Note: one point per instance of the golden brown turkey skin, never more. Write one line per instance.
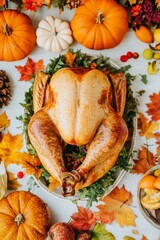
(78, 111)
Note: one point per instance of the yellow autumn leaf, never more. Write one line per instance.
(116, 207)
(10, 144)
(4, 121)
(131, 2)
(158, 3)
(147, 128)
(53, 183)
(28, 162)
(13, 184)
(49, 3)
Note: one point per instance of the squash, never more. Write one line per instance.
(99, 24)
(23, 215)
(53, 34)
(17, 35)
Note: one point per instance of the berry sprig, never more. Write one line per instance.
(128, 55)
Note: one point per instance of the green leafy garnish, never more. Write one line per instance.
(96, 190)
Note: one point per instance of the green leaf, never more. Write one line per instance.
(128, 238)
(144, 78)
(100, 233)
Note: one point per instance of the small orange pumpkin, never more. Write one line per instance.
(17, 35)
(99, 24)
(23, 216)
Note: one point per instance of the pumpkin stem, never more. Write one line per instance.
(19, 219)
(6, 29)
(100, 17)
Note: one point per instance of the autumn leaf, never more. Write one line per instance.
(131, 2)
(2, 3)
(158, 3)
(53, 183)
(83, 219)
(157, 137)
(69, 58)
(147, 128)
(4, 121)
(100, 233)
(145, 161)
(154, 107)
(13, 184)
(116, 208)
(29, 70)
(49, 3)
(10, 144)
(144, 238)
(29, 162)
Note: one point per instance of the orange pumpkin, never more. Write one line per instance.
(23, 216)
(99, 24)
(17, 35)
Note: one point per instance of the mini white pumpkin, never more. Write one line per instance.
(53, 34)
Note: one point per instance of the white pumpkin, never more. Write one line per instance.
(53, 34)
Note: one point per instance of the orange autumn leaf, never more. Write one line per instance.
(93, 65)
(53, 183)
(10, 144)
(144, 238)
(145, 161)
(83, 219)
(146, 128)
(29, 162)
(69, 58)
(29, 70)
(4, 121)
(154, 107)
(158, 3)
(157, 136)
(116, 208)
(13, 184)
(2, 3)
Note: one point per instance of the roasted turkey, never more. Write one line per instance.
(75, 107)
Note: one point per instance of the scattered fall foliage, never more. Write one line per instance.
(154, 107)
(13, 184)
(116, 208)
(4, 121)
(83, 219)
(146, 160)
(147, 128)
(29, 70)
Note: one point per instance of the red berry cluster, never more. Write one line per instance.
(134, 55)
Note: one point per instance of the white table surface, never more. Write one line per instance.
(62, 209)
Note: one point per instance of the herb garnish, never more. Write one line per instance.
(99, 188)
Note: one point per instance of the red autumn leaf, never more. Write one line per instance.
(30, 69)
(145, 161)
(154, 107)
(83, 219)
(116, 208)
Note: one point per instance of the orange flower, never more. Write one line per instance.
(2, 3)
(135, 10)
